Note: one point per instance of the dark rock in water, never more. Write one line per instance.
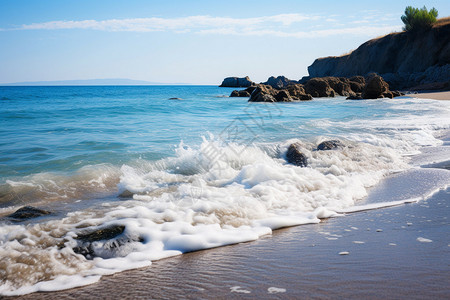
(319, 87)
(297, 92)
(126, 194)
(397, 93)
(106, 233)
(113, 236)
(375, 87)
(237, 82)
(243, 93)
(28, 212)
(330, 145)
(358, 79)
(175, 98)
(388, 94)
(279, 82)
(295, 156)
(357, 96)
(263, 93)
(283, 96)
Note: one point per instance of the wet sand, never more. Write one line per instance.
(434, 95)
(393, 253)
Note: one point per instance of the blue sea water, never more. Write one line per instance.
(195, 172)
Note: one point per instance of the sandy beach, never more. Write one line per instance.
(435, 95)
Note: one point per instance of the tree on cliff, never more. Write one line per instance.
(417, 19)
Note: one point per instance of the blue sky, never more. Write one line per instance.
(198, 42)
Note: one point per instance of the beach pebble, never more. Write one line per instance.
(423, 240)
(344, 253)
(275, 290)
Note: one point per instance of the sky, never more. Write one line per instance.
(193, 42)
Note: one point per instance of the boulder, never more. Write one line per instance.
(356, 87)
(105, 233)
(375, 87)
(282, 96)
(279, 82)
(319, 87)
(237, 82)
(242, 93)
(297, 92)
(330, 145)
(28, 212)
(295, 156)
(358, 79)
(263, 93)
(357, 96)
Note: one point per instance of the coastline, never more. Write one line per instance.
(432, 95)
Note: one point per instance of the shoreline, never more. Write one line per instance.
(394, 252)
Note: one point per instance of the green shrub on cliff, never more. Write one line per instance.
(416, 19)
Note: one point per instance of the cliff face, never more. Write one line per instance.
(399, 53)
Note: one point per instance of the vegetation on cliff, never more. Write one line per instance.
(418, 19)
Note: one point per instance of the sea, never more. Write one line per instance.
(175, 169)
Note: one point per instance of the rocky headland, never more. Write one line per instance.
(406, 61)
(409, 60)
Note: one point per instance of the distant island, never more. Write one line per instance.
(107, 81)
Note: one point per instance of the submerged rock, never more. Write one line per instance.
(28, 212)
(295, 156)
(113, 237)
(106, 233)
(330, 145)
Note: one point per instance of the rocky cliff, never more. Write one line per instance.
(403, 59)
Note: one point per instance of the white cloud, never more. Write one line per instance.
(282, 25)
(171, 24)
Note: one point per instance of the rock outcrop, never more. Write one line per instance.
(356, 87)
(237, 82)
(266, 93)
(330, 145)
(375, 88)
(403, 59)
(279, 82)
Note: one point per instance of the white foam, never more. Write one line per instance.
(424, 240)
(275, 290)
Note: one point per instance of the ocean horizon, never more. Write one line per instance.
(170, 169)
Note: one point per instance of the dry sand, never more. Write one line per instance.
(434, 95)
